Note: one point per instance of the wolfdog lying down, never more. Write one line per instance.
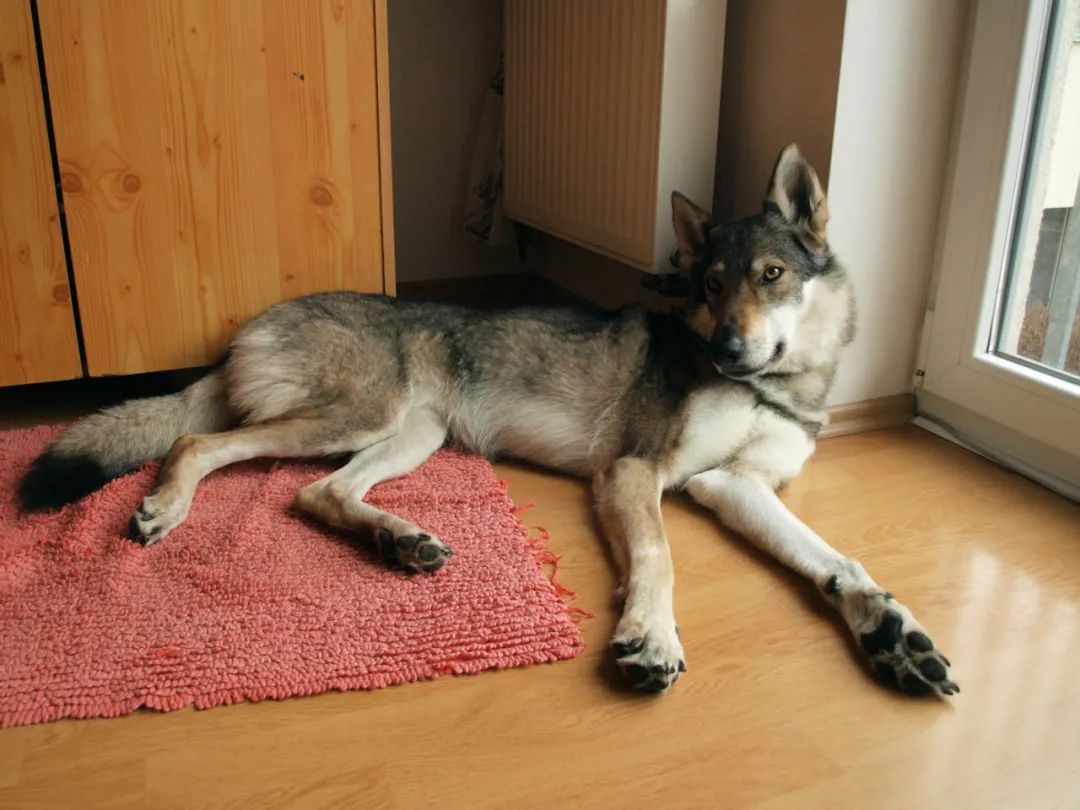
(723, 399)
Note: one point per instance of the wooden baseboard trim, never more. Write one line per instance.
(870, 414)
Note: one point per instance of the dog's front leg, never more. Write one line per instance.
(898, 647)
(646, 639)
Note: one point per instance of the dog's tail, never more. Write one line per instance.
(107, 444)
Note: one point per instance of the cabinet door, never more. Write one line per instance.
(37, 325)
(216, 157)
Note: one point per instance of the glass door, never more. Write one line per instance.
(1000, 360)
(1038, 323)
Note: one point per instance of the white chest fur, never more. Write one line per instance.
(718, 423)
(725, 429)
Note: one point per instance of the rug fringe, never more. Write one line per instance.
(538, 547)
(523, 508)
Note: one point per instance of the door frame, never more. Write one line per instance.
(1011, 410)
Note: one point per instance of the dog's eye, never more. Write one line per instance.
(771, 274)
(713, 284)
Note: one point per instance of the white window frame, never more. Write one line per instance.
(1017, 414)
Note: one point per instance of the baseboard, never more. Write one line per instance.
(870, 414)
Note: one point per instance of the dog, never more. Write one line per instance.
(722, 398)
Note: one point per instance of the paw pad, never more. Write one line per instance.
(651, 663)
(904, 658)
(416, 552)
(629, 647)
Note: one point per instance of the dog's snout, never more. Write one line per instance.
(728, 346)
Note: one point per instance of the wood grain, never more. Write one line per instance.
(215, 159)
(37, 325)
(870, 414)
(776, 710)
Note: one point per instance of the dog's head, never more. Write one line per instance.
(754, 279)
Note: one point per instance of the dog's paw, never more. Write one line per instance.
(418, 552)
(900, 651)
(650, 655)
(159, 513)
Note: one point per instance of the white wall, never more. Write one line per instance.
(766, 104)
(442, 54)
(898, 80)
(692, 74)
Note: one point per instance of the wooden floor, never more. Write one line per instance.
(776, 710)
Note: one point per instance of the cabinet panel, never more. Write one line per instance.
(37, 325)
(216, 157)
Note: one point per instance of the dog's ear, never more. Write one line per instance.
(691, 230)
(796, 194)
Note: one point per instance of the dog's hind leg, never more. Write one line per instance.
(897, 645)
(646, 640)
(194, 456)
(338, 498)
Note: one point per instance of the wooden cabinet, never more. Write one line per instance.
(215, 158)
(37, 324)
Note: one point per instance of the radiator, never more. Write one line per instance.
(610, 106)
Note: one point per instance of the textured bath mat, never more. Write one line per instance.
(248, 601)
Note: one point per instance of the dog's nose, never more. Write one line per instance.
(727, 346)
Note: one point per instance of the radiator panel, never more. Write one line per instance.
(582, 103)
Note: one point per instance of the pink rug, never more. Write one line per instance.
(248, 601)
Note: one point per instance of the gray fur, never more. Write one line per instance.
(600, 385)
(123, 437)
(723, 398)
(571, 389)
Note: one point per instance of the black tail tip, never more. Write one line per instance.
(54, 480)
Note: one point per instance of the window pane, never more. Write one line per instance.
(1039, 321)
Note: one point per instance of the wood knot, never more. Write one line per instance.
(132, 182)
(320, 195)
(61, 294)
(70, 182)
